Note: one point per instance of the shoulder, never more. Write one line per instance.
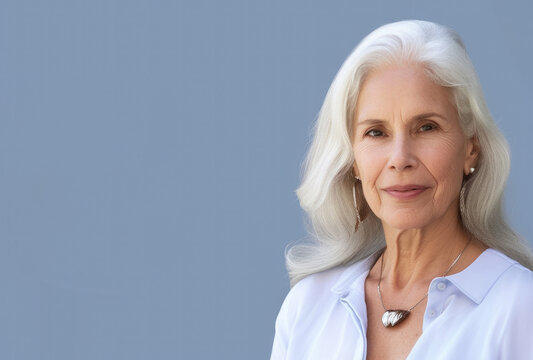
(334, 281)
(307, 297)
(510, 300)
(323, 289)
(321, 280)
(515, 276)
(314, 288)
(513, 288)
(516, 283)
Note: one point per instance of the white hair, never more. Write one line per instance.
(325, 191)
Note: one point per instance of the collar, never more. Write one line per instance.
(347, 279)
(478, 278)
(475, 281)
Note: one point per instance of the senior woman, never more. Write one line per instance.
(411, 256)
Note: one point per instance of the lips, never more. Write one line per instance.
(404, 192)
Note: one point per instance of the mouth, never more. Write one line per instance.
(405, 192)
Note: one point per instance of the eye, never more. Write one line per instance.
(427, 127)
(374, 133)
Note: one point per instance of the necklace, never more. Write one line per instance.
(391, 318)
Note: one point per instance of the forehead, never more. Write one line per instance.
(401, 90)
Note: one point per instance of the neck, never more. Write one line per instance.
(419, 255)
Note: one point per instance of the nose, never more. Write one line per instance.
(402, 155)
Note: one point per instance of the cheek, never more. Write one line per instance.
(369, 160)
(445, 163)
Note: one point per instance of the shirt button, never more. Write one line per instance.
(431, 313)
(441, 286)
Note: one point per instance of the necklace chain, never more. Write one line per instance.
(427, 293)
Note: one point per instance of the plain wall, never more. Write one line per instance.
(149, 153)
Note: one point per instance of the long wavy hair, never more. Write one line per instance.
(325, 192)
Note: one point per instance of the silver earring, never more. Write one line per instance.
(462, 206)
(358, 217)
(472, 170)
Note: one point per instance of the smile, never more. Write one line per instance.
(405, 192)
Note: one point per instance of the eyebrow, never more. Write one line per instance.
(414, 118)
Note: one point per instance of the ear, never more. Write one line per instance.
(472, 154)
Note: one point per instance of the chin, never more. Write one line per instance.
(408, 220)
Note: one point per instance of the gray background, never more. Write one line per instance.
(150, 151)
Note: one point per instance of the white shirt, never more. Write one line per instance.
(482, 312)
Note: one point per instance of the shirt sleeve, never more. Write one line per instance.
(282, 330)
(517, 341)
(287, 318)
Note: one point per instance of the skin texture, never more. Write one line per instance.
(411, 155)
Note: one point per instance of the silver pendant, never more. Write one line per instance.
(393, 317)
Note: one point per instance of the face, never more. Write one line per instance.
(410, 151)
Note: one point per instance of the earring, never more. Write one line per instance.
(355, 176)
(357, 216)
(462, 205)
(472, 170)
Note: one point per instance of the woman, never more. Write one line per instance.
(411, 256)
